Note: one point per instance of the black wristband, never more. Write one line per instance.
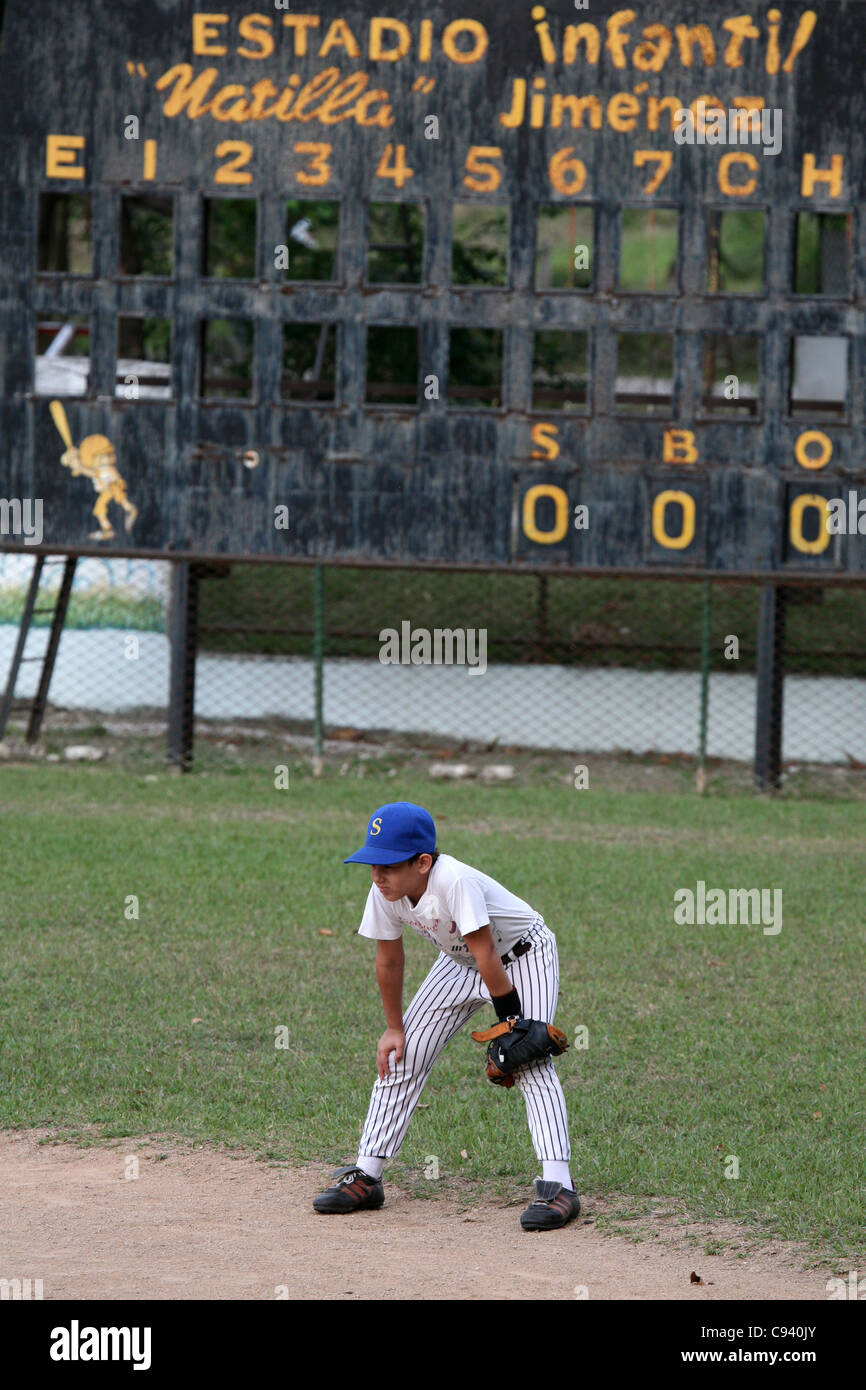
(507, 1005)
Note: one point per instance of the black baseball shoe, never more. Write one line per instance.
(554, 1206)
(351, 1190)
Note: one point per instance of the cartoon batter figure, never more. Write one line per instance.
(96, 459)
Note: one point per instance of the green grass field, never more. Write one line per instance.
(90, 610)
(704, 1041)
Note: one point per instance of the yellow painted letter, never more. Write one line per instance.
(60, 156)
(679, 447)
(544, 436)
(204, 28)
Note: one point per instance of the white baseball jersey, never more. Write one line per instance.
(459, 900)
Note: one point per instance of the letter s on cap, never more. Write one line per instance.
(376, 825)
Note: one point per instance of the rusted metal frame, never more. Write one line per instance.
(40, 700)
(182, 634)
(18, 654)
(689, 576)
(770, 688)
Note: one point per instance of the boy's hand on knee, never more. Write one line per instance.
(392, 1040)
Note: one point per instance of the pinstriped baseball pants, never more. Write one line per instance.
(447, 999)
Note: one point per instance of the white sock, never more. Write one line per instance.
(371, 1165)
(553, 1171)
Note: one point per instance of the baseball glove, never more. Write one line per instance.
(516, 1043)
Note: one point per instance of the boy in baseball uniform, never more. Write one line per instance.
(492, 948)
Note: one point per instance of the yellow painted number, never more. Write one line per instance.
(567, 174)
(319, 170)
(481, 175)
(660, 533)
(398, 170)
(664, 159)
(150, 148)
(560, 525)
(798, 540)
(236, 153)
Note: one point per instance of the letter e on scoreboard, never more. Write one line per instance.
(62, 157)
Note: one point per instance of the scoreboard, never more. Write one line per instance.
(566, 286)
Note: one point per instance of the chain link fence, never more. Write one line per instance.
(449, 663)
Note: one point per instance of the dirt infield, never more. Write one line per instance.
(206, 1224)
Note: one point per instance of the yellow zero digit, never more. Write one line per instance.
(560, 525)
(481, 175)
(567, 174)
(798, 540)
(660, 533)
(319, 170)
(236, 153)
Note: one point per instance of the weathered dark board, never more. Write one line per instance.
(433, 483)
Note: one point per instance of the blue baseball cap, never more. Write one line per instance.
(396, 831)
